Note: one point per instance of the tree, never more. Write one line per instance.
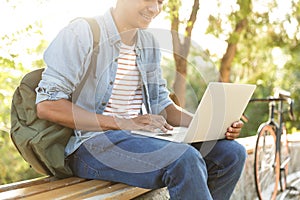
(12, 68)
(181, 47)
(238, 21)
(267, 48)
(262, 42)
(241, 23)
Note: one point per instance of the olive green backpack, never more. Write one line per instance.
(42, 143)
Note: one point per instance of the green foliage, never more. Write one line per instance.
(215, 26)
(12, 166)
(290, 81)
(172, 8)
(245, 8)
(12, 68)
(234, 38)
(255, 61)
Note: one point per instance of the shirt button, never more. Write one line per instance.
(111, 82)
(116, 59)
(103, 103)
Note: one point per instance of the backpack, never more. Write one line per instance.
(42, 143)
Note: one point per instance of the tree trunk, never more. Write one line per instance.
(181, 49)
(225, 69)
(179, 84)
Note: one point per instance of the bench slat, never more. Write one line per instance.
(71, 191)
(118, 191)
(26, 183)
(39, 188)
(128, 193)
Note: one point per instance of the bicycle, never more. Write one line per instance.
(272, 153)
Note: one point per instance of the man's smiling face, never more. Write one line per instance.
(140, 13)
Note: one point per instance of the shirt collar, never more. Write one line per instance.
(112, 31)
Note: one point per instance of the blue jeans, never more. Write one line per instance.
(208, 170)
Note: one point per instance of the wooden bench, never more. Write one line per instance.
(69, 188)
(78, 188)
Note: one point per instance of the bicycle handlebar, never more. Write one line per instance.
(269, 99)
(282, 97)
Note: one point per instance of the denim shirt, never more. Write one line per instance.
(68, 58)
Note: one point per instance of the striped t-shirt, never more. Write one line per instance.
(126, 98)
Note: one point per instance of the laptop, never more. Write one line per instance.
(221, 105)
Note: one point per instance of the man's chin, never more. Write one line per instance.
(144, 26)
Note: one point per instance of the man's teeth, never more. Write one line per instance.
(147, 17)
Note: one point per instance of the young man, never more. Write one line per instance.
(128, 77)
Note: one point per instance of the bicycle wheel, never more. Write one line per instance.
(266, 163)
(284, 158)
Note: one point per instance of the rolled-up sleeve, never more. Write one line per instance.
(66, 59)
(164, 97)
(50, 92)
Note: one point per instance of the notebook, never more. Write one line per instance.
(221, 105)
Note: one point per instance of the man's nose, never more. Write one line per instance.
(154, 7)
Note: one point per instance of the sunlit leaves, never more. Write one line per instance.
(20, 52)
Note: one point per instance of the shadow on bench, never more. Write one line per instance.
(69, 188)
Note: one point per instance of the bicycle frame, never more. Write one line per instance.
(271, 121)
(279, 129)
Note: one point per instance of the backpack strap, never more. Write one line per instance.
(93, 64)
(95, 30)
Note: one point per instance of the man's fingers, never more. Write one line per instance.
(232, 136)
(238, 124)
(168, 126)
(151, 123)
(234, 131)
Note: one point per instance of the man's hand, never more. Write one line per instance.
(234, 131)
(146, 122)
